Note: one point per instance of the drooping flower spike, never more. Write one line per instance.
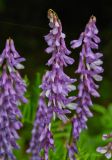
(12, 89)
(89, 70)
(56, 85)
(107, 149)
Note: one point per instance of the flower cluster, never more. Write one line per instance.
(42, 138)
(89, 69)
(56, 85)
(107, 149)
(12, 89)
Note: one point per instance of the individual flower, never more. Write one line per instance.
(107, 149)
(56, 85)
(12, 89)
(89, 69)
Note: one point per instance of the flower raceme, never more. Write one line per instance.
(89, 69)
(12, 89)
(56, 85)
(42, 138)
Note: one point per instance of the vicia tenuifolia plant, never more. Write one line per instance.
(89, 70)
(54, 100)
(12, 89)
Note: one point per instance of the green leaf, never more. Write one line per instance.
(99, 108)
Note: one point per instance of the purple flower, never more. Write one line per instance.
(12, 89)
(42, 138)
(107, 149)
(89, 70)
(56, 85)
(72, 150)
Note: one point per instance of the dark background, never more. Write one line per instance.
(26, 22)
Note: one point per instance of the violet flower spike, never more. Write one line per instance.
(56, 85)
(42, 138)
(89, 70)
(12, 89)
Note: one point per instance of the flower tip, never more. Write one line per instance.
(53, 17)
(9, 40)
(92, 18)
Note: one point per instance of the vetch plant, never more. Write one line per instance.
(12, 89)
(89, 70)
(56, 85)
